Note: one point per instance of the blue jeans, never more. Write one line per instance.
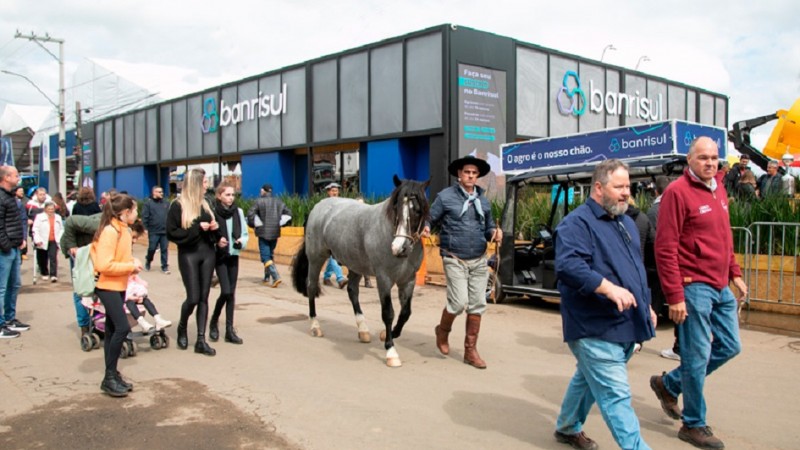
(333, 268)
(601, 376)
(10, 282)
(80, 312)
(158, 241)
(710, 313)
(266, 247)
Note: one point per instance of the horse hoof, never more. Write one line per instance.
(316, 332)
(364, 337)
(383, 336)
(393, 362)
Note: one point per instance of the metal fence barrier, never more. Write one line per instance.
(768, 253)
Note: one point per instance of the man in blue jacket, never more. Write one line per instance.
(464, 216)
(605, 308)
(154, 218)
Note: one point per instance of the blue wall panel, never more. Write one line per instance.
(135, 180)
(275, 168)
(381, 160)
(103, 182)
(301, 174)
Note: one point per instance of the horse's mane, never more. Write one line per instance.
(407, 187)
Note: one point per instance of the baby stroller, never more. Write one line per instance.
(97, 327)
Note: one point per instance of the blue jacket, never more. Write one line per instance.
(463, 236)
(154, 215)
(590, 246)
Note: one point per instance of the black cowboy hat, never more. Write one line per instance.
(455, 166)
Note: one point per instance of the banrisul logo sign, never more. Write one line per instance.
(265, 105)
(571, 100)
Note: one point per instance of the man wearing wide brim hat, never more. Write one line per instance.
(464, 217)
(333, 268)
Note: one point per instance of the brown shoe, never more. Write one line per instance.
(577, 440)
(700, 437)
(443, 331)
(327, 282)
(276, 283)
(668, 403)
(343, 283)
(471, 355)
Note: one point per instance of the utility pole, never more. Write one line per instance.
(78, 151)
(62, 142)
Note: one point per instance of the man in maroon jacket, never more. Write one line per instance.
(694, 255)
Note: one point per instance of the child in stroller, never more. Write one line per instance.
(137, 294)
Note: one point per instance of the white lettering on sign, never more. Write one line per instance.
(264, 105)
(622, 104)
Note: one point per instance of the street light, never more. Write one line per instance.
(62, 131)
(642, 59)
(607, 47)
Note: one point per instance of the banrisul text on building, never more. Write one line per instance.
(571, 99)
(265, 105)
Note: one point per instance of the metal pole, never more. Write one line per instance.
(78, 152)
(62, 134)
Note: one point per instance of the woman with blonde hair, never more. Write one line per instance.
(113, 260)
(192, 227)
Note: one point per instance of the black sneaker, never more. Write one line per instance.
(5, 333)
(147, 267)
(16, 325)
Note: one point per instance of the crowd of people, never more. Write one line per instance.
(603, 246)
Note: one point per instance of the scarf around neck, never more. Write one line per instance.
(226, 213)
(471, 199)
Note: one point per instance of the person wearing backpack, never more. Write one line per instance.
(79, 231)
(112, 255)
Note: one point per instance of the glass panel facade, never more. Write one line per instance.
(269, 127)
(566, 122)
(676, 102)
(247, 129)
(532, 98)
(635, 88)
(165, 131)
(324, 99)
(386, 90)
(140, 141)
(691, 106)
(424, 87)
(592, 120)
(720, 112)
(119, 141)
(293, 123)
(354, 90)
(229, 144)
(211, 139)
(194, 130)
(152, 135)
(706, 109)
(179, 129)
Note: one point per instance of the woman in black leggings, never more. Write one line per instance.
(233, 228)
(114, 262)
(191, 226)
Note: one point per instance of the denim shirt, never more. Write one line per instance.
(590, 246)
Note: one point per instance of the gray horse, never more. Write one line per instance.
(376, 240)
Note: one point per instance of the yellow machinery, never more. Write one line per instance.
(785, 137)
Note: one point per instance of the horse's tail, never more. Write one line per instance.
(300, 270)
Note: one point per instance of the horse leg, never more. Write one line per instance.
(405, 293)
(352, 292)
(315, 267)
(387, 314)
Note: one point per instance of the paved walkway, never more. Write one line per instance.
(285, 389)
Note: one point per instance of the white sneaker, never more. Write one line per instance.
(45, 277)
(54, 280)
(669, 354)
(146, 326)
(161, 322)
(637, 347)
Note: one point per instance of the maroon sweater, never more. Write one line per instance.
(694, 242)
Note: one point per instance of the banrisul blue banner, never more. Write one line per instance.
(686, 132)
(653, 139)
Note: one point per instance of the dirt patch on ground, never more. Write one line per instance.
(170, 413)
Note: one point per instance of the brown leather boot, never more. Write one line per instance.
(471, 355)
(443, 330)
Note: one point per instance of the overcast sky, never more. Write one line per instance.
(747, 50)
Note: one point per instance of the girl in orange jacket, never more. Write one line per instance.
(114, 263)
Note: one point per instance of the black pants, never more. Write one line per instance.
(228, 274)
(48, 259)
(134, 310)
(196, 266)
(117, 327)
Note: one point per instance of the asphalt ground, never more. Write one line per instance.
(287, 390)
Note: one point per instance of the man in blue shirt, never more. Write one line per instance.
(605, 308)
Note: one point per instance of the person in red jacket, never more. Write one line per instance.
(695, 260)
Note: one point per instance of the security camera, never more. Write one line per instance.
(453, 26)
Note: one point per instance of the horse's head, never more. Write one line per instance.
(407, 210)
